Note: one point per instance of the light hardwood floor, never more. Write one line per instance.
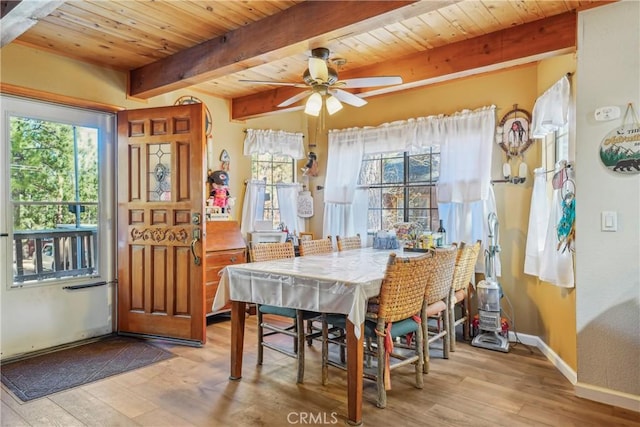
(475, 387)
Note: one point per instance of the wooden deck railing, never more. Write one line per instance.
(56, 253)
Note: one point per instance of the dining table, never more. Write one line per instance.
(337, 282)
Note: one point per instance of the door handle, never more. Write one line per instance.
(196, 239)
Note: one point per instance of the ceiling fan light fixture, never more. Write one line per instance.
(314, 105)
(333, 105)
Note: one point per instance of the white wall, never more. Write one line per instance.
(607, 263)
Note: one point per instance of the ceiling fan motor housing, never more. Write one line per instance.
(320, 52)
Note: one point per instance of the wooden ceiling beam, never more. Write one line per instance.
(19, 16)
(294, 30)
(523, 43)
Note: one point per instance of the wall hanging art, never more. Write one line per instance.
(620, 148)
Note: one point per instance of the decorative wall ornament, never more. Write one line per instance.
(620, 148)
(158, 235)
(305, 204)
(512, 133)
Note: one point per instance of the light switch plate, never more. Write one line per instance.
(609, 221)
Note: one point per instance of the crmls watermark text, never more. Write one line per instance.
(314, 418)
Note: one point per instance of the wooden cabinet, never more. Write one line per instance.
(224, 246)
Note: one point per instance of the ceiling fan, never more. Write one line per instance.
(322, 83)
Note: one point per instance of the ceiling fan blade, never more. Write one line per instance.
(295, 98)
(348, 98)
(318, 69)
(264, 82)
(371, 81)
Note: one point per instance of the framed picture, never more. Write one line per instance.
(306, 236)
(512, 133)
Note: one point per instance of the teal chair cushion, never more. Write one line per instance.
(399, 328)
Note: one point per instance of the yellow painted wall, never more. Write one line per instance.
(34, 69)
(540, 309)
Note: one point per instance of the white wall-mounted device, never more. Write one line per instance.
(607, 113)
(609, 221)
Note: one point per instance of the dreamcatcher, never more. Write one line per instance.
(566, 226)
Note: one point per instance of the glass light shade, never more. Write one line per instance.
(314, 104)
(333, 105)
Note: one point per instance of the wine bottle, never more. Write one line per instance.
(442, 238)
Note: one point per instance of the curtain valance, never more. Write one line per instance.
(551, 109)
(412, 135)
(271, 141)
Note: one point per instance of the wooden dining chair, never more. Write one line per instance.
(462, 275)
(348, 243)
(396, 315)
(437, 298)
(314, 247)
(267, 252)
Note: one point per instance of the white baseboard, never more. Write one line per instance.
(560, 364)
(586, 391)
(610, 397)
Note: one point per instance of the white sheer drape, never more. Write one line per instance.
(253, 206)
(466, 144)
(538, 220)
(465, 156)
(271, 141)
(344, 158)
(288, 205)
(551, 109)
(542, 257)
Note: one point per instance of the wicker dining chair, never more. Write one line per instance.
(348, 243)
(464, 270)
(314, 247)
(267, 252)
(437, 299)
(396, 315)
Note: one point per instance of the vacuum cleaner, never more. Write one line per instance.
(489, 293)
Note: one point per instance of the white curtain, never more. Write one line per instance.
(288, 205)
(271, 141)
(538, 220)
(253, 206)
(466, 144)
(465, 195)
(542, 257)
(551, 109)
(344, 158)
(465, 156)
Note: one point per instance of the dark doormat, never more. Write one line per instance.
(60, 370)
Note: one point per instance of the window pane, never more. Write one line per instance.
(275, 169)
(159, 167)
(54, 196)
(393, 170)
(393, 194)
(370, 172)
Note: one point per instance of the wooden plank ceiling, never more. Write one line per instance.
(210, 46)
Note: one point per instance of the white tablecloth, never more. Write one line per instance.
(340, 282)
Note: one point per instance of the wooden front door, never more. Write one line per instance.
(161, 193)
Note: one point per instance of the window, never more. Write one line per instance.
(402, 188)
(54, 207)
(561, 136)
(273, 169)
